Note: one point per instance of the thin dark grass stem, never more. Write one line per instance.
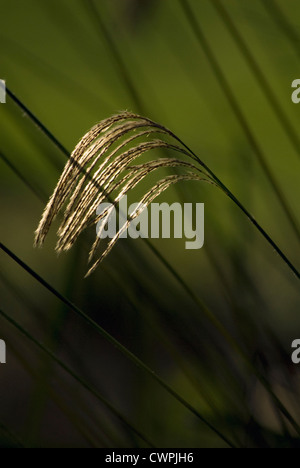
(81, 381)
(78, 421)
(38, 124)
(45, 70)
(208, 314)
(38, 193)
(42, 198)
(202, 307)
(189, 291)
(239, 114)
(242, 208)
(235, 346)
(170, 347)
(259, 75)
(140, 364)
(23, 299)
(280, 19)
(226, 190)
(54, 140)
(122, 68)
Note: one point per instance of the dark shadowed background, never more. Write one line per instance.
(218, 74)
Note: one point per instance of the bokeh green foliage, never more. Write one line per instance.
(73, 63)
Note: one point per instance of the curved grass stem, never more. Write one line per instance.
(251, 218)
(80, 380)
(188, 290)
(241, 118)
(132, 357)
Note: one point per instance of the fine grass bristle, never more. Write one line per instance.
(161, 347)
(96, 171)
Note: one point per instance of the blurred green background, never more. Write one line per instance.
(219, 75)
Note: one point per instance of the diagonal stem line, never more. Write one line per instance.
(234, 344)
(140, 364)
(80, 380)
(38, 123)
(54, 140)
(225, 189)
(279, 18)
(242, 208)
(259, 75)
(215, 321)
(200, 304)
(123, 69)
(185, 287)
(239, 114)
(16, 171)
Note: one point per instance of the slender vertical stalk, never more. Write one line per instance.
(110, 339)
(241, 207)
(79, 380)
(276, 13)
(120, 63)
(224, 84)
(259, 75)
